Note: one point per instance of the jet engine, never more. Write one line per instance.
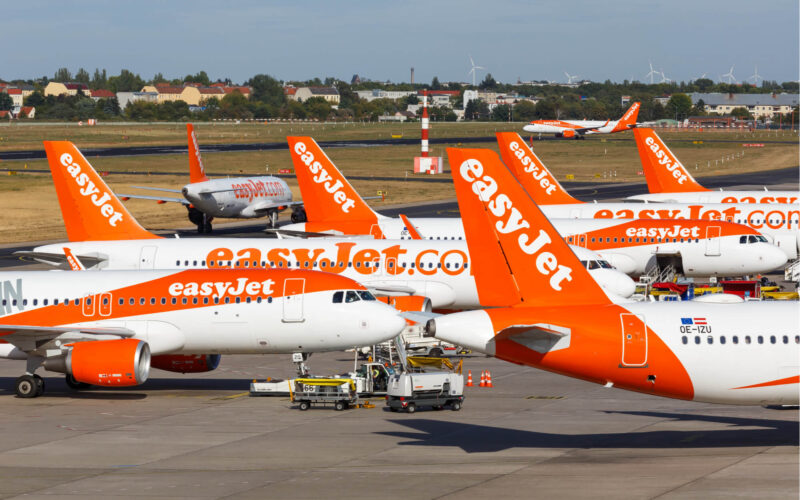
(186, 363)
(109, 363)
(569, 134)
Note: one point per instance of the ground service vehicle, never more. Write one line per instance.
(410, 391)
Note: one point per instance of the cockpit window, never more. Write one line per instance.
(337, 297)
(752, 239)
(351, 296)
(742, 239)
(605, 264)
(762, 238)
(365, 295)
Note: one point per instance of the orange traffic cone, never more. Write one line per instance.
(489, 379)
(483, 379)
(469, 379)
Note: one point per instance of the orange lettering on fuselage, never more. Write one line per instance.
(787, 218)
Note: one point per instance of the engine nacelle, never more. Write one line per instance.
(569, 134)
(110, 363)
(186, 363)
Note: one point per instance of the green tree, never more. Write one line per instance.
(741, 113)
(679, 106)
(317, 107)
(411, 99)
(125, 82)
(699, 108)
(476, 110)
(159, 78)
(35, 99)
(524, 111)
(267, 90)
(488, 83)
(82, 76)
(141, 110)
(99, 80)
(293, 109)
(6, 103)
(201, 78)
(501, 113)
(62, 75)
(111, 106)
(435, 85)
(703, 84)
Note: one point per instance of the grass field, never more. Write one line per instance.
(31, 213)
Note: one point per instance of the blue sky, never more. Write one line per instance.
(381, 40)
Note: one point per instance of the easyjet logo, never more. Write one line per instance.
(256, 189)
(676, 231)
(196, 150)
(530, 167)
(784, 200)
(630, 112)
(664, 159)
(757, 219)
(242, 286)
(510, 221)
(89, 190)
(321, 176)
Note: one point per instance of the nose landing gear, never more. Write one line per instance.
(200, 219)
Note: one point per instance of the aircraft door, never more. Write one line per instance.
(293, 289)
(713, 234)
(634, 341)
(147, 257)
(104, 306)
(88, 305)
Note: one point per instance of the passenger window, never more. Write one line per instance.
(205, 300)
(131, 301)
(747, 339)
(684, 339)
(772, 339)
(247, 300)
(141, 301)
(152, 301)
(760, 339)
(722, 339)
(238, 300)
(269, 300)
(710, 339)
(35, 301)
(44, 302)
(121, 301)
(194, 300)
(163, 301)
(351, 296)
(184, 301)
(697, 340)
(258, 300)
(227, 300)
(216, 300)
(174, 301)
(735, 339)
(785, 339)
(337, 297)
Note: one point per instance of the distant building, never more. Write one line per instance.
(27, 112)
(125, 97)
(662, 100)
(303, 94)
(244, 90)
(102, 94)
(371, 95)
(209, 92)
(69, 88)
(16, 97)
(166, 93)
(759, 105)
(711, 121)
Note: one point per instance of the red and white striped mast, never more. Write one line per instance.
(425, 122)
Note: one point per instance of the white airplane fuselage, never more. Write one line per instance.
(762, 197)
(241, 197)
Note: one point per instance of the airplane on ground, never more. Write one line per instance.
(668, 180)
(695, 247)
(581, 128)
(109, 328)
(231, 197)
(551, 316)
(104, 235)
(778, 222)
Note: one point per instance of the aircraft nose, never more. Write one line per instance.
(387, 322)
(772, 256)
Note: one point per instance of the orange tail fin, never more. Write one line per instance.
(197, 172)
(327, 195)
(511, 241)
(90, 209)
(630, 116)
(663, 171)
(529, 170)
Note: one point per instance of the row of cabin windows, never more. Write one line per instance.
(133, 301)
(453, 238)
(322, 265)
(747, 339)
(644, 240)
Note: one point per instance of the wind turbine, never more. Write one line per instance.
(755, 76)
(729, 74)
(474, 67)
(664, 79)
(570, 77)
(652, 73)
(701, 76)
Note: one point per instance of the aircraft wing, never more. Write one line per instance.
(540, 337)
(589, 129)
(57, 259)
(166, 190)
(265, 206)
(291, 233)
(160, 199)
(386, 288)
(29, 338)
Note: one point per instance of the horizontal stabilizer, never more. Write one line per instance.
(539, 337)
(162, 199)
(56, 259)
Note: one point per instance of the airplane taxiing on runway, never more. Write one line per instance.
(580, 128)
(104, 235)
(557, 319)
(702, 247)
(231, 197)
(668, 180)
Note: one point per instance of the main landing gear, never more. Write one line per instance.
(299, 215)
(30, 385)
(200, 219)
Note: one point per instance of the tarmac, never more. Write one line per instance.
(534, 435)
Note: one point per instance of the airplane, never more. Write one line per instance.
(109, 328)
(581, 128)
(668, 180)
(717, 248)
(778, 222)
(232, 197)
(104, 235)
(551, 316)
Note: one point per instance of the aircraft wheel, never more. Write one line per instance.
(26, 386)
(207, 228)
(74, 384)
